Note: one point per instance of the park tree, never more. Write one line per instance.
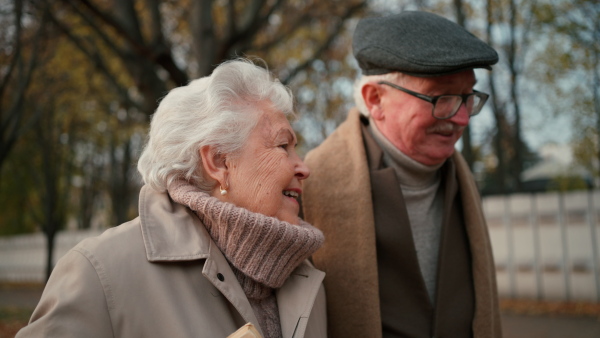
(86, 75)
(145, 48)
(576, 52)
(20, 42)
(509, 25)
(106, 65)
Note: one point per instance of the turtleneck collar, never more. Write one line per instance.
(412, 174)
(262, 250)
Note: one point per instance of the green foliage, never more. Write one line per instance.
(567, 183)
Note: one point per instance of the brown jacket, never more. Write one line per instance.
(337, 199)
(161, 275)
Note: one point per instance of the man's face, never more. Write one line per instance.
(406, 121)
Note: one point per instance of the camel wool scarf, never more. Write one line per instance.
(262, 251)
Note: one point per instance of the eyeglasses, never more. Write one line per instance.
(446, 106)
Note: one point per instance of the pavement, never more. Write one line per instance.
(549, 326)
(513, 325)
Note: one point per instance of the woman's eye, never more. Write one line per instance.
(284, 146)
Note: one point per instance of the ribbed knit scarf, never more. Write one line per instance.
(262, 251)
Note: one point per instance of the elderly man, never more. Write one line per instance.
(407, 252)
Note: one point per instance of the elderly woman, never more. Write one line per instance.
(218, 242)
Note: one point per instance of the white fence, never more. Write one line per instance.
(545, 246)
(23, 257)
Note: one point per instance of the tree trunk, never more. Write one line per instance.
(500, 173)
(467, 150)
(205, 42)
(596, 96)
(49, 254)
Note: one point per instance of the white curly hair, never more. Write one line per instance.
(212, 110)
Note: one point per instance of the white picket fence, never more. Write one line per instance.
(546, 246)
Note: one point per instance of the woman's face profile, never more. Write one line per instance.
(267, 175)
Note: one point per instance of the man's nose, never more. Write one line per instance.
(462, 116)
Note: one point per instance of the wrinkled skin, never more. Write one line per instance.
(267, 166)
(406, 121)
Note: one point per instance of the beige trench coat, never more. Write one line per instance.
(161, 275)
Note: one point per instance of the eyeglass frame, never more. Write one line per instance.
(433, 99)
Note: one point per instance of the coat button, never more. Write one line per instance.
(220, 277)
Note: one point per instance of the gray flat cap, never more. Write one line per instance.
(419, 44)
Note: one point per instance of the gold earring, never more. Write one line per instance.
(223, 191)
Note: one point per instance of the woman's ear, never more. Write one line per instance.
(214, 164)
(372, 97)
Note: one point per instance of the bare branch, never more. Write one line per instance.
(17, 46)
(325, 45)
(254, 21)
(231, 15)
(97, 61)
(159, 55)
(109, 42)
(10, 127)
(156, 34)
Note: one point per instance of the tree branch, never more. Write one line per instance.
(325, 45)
(17, 46)
(97, 61)
(159, 55)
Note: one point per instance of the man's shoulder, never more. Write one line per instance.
(345, 138)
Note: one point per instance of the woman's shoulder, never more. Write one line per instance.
(114, 242)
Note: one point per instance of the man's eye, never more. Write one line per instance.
(284, 146)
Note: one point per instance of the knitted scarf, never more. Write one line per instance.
(262, 251)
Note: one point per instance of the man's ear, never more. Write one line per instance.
(371, 94)
(214, 164)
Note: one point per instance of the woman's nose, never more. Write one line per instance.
(302, 171)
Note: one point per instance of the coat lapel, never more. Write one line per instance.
(172, 232)
(296, 297)
(392, 225)
(349, 253)
(217, 271)
(487, 316)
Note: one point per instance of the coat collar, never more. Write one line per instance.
(172, 232)
(374, 152)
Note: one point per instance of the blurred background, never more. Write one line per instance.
(80, 79)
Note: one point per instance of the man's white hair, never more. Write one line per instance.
(359, 101)
(219, 110)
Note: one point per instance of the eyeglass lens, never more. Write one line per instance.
(447, 105)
